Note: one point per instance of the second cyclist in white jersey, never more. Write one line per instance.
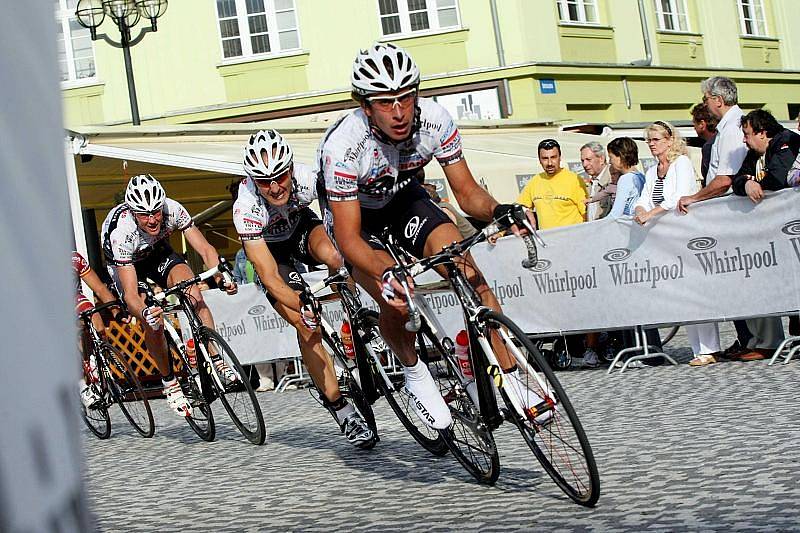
(277, 228)
(368, 160)
(135, 244)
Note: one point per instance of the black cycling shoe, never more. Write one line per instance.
(357, 432)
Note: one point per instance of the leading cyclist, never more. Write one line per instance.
(277, 228)
(136, 246)
(368, 160)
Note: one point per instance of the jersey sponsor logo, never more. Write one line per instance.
(294, 277)
(412, 227)
(428, 126)
(353, 153)
(421, 408)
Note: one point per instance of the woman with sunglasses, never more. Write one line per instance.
(665, 183)
(277, 228)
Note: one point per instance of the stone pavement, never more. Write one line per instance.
(678, 449)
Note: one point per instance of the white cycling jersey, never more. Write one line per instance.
(358, 165)
(255, 218)
(125, 243)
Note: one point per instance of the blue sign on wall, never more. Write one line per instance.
(547, 86)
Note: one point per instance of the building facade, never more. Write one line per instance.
(557, 60)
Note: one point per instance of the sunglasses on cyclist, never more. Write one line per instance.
(280, 179)
(386, 103)
(146, 215)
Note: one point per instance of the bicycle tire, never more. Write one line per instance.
(96, 417)
(238, 397)
(127, 392)
(350, 388)
(202, 419)
(468, 438)
(430, 439)
(569, 463)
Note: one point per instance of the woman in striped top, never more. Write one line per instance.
(671, 178)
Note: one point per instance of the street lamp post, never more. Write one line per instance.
(125, 14)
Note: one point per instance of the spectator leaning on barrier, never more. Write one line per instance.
(727, 153)
(601, 188)
(665, 183)
(772, 150)
(557, 194)
(624, 156)
(705, 125)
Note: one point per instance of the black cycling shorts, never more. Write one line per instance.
(294, 249)
(411, 216)
(155, 266)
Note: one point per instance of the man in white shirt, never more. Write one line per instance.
(728, 152)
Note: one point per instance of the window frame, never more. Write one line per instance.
(244, 37)
(431, 8)
(63, 15)
(562, 8)
(678, 9)
(758, 6)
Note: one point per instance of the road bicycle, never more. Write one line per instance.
(365, 378)
(204, 379)
(546, 418)
(108, 374)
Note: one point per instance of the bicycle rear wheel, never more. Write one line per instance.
(96, 416)
(202, 419)
(396, 397)
(349, 387)
(469, 439)
(556, 439)
(127, 392)
(236, 394)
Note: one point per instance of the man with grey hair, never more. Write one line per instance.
(728, 151)
(601, 190)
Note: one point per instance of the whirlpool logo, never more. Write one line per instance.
(791, 228)
(541, 265)
(616, 255)
(257, 310)
(700, 244)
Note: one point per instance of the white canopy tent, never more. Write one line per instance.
(202, 159)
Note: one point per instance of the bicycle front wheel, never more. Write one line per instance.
(127, 392)
(370, 335)
(233, 387)
(469, 439)
(551, 429)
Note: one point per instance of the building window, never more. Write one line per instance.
(752, 19)
(257, 27)
(671, 15)
(578, 11)
(400, 17)
(75, 49)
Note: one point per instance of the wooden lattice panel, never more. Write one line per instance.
(129, 339)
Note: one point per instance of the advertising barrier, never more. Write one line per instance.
(728, 258)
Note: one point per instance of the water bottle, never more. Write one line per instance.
(462, 354)
(347, 340)
(191, 353)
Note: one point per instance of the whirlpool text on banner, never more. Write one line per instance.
(727, 258)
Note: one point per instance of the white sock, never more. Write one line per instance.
(416, 371)
(344, 412)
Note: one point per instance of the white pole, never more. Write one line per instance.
(70, 150)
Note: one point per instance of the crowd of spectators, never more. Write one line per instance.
(746, 153)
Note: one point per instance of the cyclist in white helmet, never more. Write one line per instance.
(368, 160)
(135, 238)
(277, 228)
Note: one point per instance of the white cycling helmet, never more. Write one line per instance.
(278, 155)
(383, 68)
(144, 193)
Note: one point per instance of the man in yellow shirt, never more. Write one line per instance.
(557, 194)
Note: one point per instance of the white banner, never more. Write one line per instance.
(727, 258)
